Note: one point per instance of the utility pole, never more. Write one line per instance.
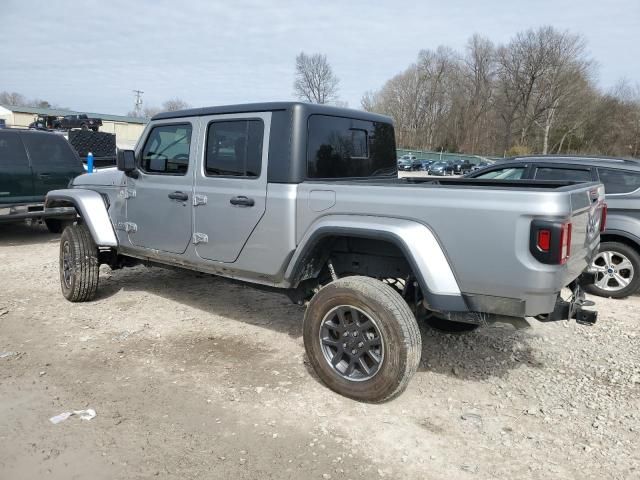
(137, 108)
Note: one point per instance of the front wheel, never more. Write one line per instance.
(617, 269)
(362, 339)
(79, 267)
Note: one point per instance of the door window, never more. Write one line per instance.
(619, 181)
(564, 174)
(166, 151)
(234, 148)
(12, 152)
(507, 173)
(49, 151)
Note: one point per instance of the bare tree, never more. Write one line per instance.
(175, 104)
(315, 81)
(12, 98)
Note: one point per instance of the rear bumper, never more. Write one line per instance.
(12, 213)
(574, 308)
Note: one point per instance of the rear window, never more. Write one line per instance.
(12, 153)
(341, 147)
(619, 181)
(47, 150)
(509, 173)
(565, 174)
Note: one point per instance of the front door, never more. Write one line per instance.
(230, 183)
(159, 201)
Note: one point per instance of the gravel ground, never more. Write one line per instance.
(192, 376)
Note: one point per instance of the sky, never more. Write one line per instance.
(90, 55)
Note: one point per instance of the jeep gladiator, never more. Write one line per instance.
(306, 199)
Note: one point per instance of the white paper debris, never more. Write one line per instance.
(87, 414)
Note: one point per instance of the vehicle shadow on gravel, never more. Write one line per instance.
(491, 351)
(12, 234)
(488, 352)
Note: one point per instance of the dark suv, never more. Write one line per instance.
(617, 265)
(31, 164)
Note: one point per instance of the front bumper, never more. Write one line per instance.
(21, 212)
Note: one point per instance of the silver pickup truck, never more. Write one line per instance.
(306, 199)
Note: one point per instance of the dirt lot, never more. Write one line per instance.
(195, 377)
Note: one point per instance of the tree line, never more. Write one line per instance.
(535, 94)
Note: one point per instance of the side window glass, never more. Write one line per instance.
(166, 150)
(512, 173)
(619, 181)
(12, 152)
(49, 151)
(565, 174)
(340, 147)
(234, 148)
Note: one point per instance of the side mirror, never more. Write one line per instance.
(126, 161)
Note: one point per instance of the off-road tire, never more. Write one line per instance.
(634, 257)
(397, 327)
(79, 281)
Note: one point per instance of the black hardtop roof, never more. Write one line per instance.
(304, 108)
(591, 160)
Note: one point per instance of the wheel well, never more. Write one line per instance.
(612, 237)
(351, 255)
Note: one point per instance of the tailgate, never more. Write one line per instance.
(587, 204)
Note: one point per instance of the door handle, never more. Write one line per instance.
(183, 197)
(242, 201)
(44, 175)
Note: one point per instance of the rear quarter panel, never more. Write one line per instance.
(484, 232)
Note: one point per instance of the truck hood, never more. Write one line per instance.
(109, 177)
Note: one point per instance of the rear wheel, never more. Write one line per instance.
(617, 269)
(362, 339)
(79, 267)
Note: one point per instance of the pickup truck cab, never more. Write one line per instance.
(305, 199)
(31, 164)
(78, 121)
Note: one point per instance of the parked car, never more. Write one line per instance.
(78, 121)
(405, 162)
(617, 266)
(31, 164)
(268, 194)
(482, 164)
(460, 167)
(423, 165)
(441, 168)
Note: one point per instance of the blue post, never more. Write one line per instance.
(89, 162)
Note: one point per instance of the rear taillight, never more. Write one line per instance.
(550, 242)
(603, 217)
(544, 240)
(565, 243)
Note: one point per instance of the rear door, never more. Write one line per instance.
(16, 184)
(159, 203)
(230, 183)
(53, 161)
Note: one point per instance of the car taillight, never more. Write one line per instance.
(550, 242)
(544, 240)
(565, 243)
(603, 217)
